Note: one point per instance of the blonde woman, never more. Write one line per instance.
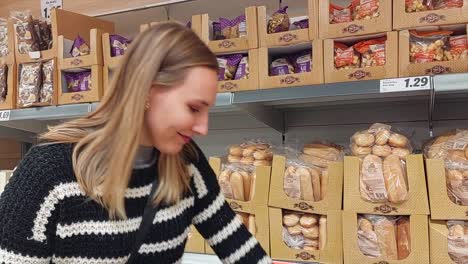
(125, 183)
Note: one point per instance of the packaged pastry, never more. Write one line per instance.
(281, 66)
(457, 241)
(47, 89)
(418, 5)
(228, 66)
(279, 21)
(372, 52)
(428, 46)
(302, 61)
(365, 9)
(3, 38)
(79, 48)
(302, 181)
(339, 14)
(458, 48)
(237, 181)
(346, 57)
(383, 166)
(301, 24)
(235, 28)
(242, 71)
(304, 231)
(3, 82)
(118, 45)
(25, 34)
(29, 84)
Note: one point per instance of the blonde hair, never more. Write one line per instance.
(107, 140)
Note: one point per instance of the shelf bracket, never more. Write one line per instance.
(268, 116)
(432, 95)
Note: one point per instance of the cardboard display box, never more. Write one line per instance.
(430, 68)
(195, 242)
(332, 253)
(292, 36)
(229, 45)
(262, 224)
(417, 202)
(438, 233)
(93, 95)
(332, 200)
(315, 76)
(70, 25)
(418, 237)
(442, 208)
(251, 83)
(382, 23)
(402, 19)
(95, 57)
(262, 187)
(10, 100)
(389, 70)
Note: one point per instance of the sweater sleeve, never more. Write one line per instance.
(217, 222)
(24, 238)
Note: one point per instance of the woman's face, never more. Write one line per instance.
(178, 113)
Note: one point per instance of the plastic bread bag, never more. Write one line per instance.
(367, 238)
(237, 181)
(26, 38)
(372, 52)
(29, 84)
(458, 48)
(428, 46)
(303, 230)
(279, 21)
(418, 5)
(252, 152)
(366, 9)
(79, 48)
(3, 38)
(385, 229)
(452, 147)
(457, 241)
(3, 82)
(47, 90)
(339, 14)
(346, 57)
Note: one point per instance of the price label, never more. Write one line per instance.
(405, 84)
(48, 5)
(5, 115)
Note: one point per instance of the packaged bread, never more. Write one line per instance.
(457, 241)
(251, 152)
(383, 155)
(386, 235)
(304, 231)
(367, 238)
(403, 238)
(458, 48)
(237, 181)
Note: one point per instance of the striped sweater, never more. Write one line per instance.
(46, 218)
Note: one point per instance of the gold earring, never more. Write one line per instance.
(147, 105)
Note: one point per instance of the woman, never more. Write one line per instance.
(81, 197)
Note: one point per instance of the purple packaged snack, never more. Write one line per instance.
(118, 44)
(239, 27)
(79, 48)
(223, 73)
(281, 66)
(228, 66)
(279, 22)
(225, 27)
(73, 81)
(85, 81)
(302, 62)
(301, 24)
(242, 71)
(232, 62)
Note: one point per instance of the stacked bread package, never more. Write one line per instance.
(237, 181)
(384, 237)
(304, 231)
(458, 241)
(452, 148)
(383, 169)
(253, 152)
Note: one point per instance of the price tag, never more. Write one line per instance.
(34, 55)
(5, 115)
(48, 5)
(405, 84)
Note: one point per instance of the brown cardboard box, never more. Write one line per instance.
(389, 70)
(263, 228)
(93, 95)
(195, 242)
(419, 242)
(442, 208)
(251, 83)
(402, 19)
(383, 23)
(438, 233)
(288, 37)
(315, 76)
(333, 249)
(431, 68)
(262, 187)
(230, 45)
(332, 201)
(417, 202)
(10, 100)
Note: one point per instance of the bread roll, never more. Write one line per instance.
(225, 183)
(237, 185)
(456, 231)
(386, 236)
(455, 178)
(323, 232)
(401, 152)
(381, 138)
(381, 151)
(364, 139)
(252, 225)
(360, 151)
(262, 163)
(315, 174)
(233, 159)
(311, 243)
(398, 141)
(290, 220)
(308, 221)
(457, 156)
(307, 191)
(372, 183)
(322, 151)
(395, 183)
(316, 161)
(263, 155)
(324, 184)
(365, 225)
(403, 238)
(247, 160)
(235, 151)
(253, 178)
(311, 232)
(248, 152)
(295, 230)
(247, 184)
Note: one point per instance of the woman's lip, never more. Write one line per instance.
(186, 138)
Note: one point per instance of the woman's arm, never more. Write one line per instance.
(218, 223)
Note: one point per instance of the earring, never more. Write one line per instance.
(147, 105)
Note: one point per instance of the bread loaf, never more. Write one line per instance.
(381, 138)
(322, 151)
(246, 183)
(386, 236)
(316, 161)
(322, 232)
(308, 221)
(292, 183)
(307, 191)
(455, 178)
(363, 139)
(311, 232)
(365, 225)
(395, 183)
(372, 183)
(290, 220)
(398, 141)
(235, 151)
(401, 152)
(224, 180)
(315, 174)
(403, 238)
(360, 151)
(324, 184)
(237, 185)
(252, 225)
(263, 155)
(381, 151)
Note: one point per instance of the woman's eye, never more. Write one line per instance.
(193, 109)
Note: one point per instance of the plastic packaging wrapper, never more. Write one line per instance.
(458, 48)
(301, 24)
(383, 168)
(366, 9)
(118, 45)
(281, 66)
(301, 180)
(78, 81)
(3, 82)
(79, 48)
(29, 84)
(299, 62)
(346, 57)
(458, 241)
(304, 231)
(428, 46)
(386, 237)
(252, 152)
(339, 14)
(229, 29)
(418, 5)
(237, 181)
(242, 71)
(279, 21)
(31, 34)
(302, 61)
(228, 66)
(47, 90)
(452, 148)
(4, 49)
(372, 52)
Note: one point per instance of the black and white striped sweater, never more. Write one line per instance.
(46, 218)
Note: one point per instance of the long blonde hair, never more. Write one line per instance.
(107, 140)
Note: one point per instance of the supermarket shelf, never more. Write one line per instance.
(191, 258)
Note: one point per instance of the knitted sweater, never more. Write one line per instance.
(46, 218)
